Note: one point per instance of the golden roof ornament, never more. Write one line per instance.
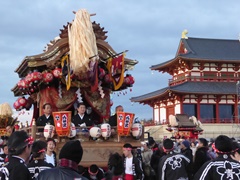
(184, 34)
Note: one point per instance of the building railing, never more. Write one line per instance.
(203, 120)
(202, 79)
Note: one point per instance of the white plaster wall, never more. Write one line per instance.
(156, 115)
(177, 109)
(162, 115)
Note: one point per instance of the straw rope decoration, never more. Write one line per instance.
(82, 42)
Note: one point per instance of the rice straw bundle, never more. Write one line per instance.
(82, 42)
(5, 110)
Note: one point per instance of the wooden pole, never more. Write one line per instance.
(34, 129)
(94, 14)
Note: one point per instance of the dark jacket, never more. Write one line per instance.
(60, 173)
(188, 153)
(155, 159)
(223, 167)
(3, 159)
(43, 120)
(113, 120)
(17, 169)
(201, 156)
(36, 166)
(77, 121)
(136, 168)
(173, 166)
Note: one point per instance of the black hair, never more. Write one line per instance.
(168, 144)
(17, 142)
(38, 146)
(93, 168)
(44, 106)
(203, 141)
(81, 104)
(127, 145)
(118, 107)
(81, 169)
(51, 139)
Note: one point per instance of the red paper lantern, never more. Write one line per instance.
(25, 84)
(28, 79)
(36, 76)
(57, 72)
(129, 80)
(22, 102)
(47, 77)
(16, 105)
(20, 84)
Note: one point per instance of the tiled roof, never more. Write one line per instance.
(192, 88)
(207, 49)
(183, 121)
(215, 49)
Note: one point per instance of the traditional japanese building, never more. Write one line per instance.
(205, 75)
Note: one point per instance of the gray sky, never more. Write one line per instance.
(150, 30)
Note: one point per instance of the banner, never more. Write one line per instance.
(124, 123)
(62, 122)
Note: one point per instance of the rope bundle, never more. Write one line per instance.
(82, 42)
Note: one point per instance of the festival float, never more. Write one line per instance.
(79, 66)
(6, 119)
(183, 127)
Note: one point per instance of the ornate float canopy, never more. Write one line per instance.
(55, 50)
(79, 61)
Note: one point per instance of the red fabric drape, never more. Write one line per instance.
(50, 95)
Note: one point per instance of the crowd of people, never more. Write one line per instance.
(23, 158)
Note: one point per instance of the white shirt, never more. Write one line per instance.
(128, 169)
(50, 159)
(81, 116)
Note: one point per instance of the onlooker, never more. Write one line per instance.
(172, 166)
(38, 164)
(9, 130)
(81, 119)
(46, 118)
(81, 170)
(4, 156)
(236, 151)
(94, 172)
(146, 159)
(223, 167)
(152, 144)
(115, 167)
(19, 148)
(186, 151)
(155, 159)
(193, 148)
(201, 155)
(113, 119)
(50, 156)
(132, 165)
(69, 158)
